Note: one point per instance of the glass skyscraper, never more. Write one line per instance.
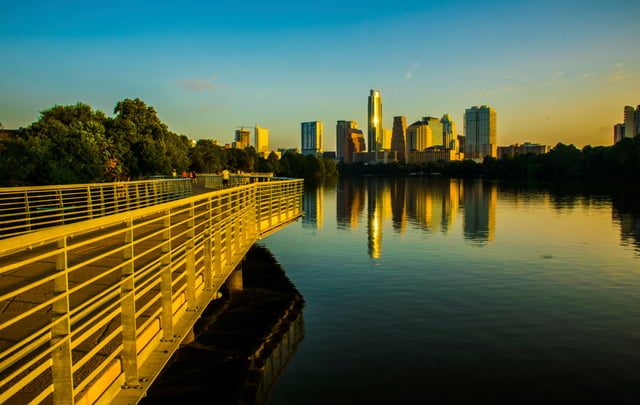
(312, 134)
(375, 133)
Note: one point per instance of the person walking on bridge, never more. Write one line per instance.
(225, 178)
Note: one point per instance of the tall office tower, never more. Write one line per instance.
(480, 132)
(629, 122)
(374, 130)
(262, 139)
(449, 136)
(419, 136)
(618, 132)
(312, 138)
(399, 137)
(342, 128)
(436, 129)
(353, 143)
(243, 137)
(386, 138)
(424, 134)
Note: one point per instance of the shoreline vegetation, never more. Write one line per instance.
(75, 144)
(619, 162)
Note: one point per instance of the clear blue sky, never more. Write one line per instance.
(555, 71)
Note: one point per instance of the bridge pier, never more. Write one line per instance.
(234, 282)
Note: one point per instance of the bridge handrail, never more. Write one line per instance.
(26, 209)
(119, 291)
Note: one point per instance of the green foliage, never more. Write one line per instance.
(618, 162)
(144, 144)
(66, 145)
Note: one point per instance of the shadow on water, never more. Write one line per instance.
(243, 342)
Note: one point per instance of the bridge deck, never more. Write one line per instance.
(91, 307)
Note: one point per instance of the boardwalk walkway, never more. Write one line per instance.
(91, 311)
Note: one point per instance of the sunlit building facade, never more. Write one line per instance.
(353, 143)
(449, 135)
(342, 127)
(312, 138)
(522, 149)
(242, 138)
(261, 139)
(375, 134)
(480, 132)
(424, 134)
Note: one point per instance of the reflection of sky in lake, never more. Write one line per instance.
(429, 287)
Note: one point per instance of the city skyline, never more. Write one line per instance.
(543, 66)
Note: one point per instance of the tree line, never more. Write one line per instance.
(602, 163)
(75, 144)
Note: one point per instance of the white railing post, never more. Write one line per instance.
(128, 311)
(61, 362)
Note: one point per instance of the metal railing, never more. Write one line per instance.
(27, 209)
(92, 311)
(215, 181)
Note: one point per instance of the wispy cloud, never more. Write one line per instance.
(411, 70)
(619, 64)
(585, 75)
(199, 84)
(617, 76)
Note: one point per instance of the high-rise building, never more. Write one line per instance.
(629, 121)
(312, 134)
(399, 137)
(419, 136)
(449, 136)
(342, 128)
(353, 143)
(424, 134)
(386, 139)
(436, 128)
(243, 137)
(480, 132)
(374, 130)
(262, 139)
(618, 132)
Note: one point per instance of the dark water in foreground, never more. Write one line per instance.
(421, 288)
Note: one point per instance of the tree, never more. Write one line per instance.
(66, 145)
(143, 144)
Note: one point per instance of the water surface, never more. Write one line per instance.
(421, 288)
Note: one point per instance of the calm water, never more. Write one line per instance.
(421, 288)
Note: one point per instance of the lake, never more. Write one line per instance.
(421, 288)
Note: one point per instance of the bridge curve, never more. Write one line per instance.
(92, 311)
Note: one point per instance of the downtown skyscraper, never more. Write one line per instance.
(312, 138)
(480, 132)
(262, 139)
(375, 133)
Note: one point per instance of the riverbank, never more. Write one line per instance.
(235, 340)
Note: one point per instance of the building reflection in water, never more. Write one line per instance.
(350, 202)
(625, 212)
(312, 206)
(480, 200)
(429, 204)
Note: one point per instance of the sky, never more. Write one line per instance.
(555, 71)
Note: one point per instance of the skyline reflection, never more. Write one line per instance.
(433, 204)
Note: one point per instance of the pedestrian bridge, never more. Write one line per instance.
(92, 310)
